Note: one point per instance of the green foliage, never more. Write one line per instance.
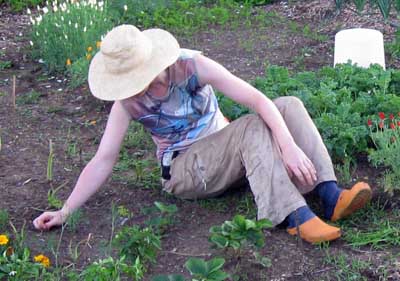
(111, 269)
(73, 220)
(5, 64)
(133, 242)
(171, 277)
(239, 232)
(206, 270)
(4, 217)
(178, 16)
(31, 97)
(346, 268)
(161, 216)
(339, 100)
(19, 266)
(78, 72)
(68, 32)
(384, 6)
(386, 137)
(19, 5)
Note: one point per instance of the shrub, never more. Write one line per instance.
(67, 32)
(385, 133)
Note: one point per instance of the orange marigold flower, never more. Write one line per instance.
(98, 44)
(89, 49)
(93, 122)
(88, 56)
(68, 62)
(3, 239)
(45, 261)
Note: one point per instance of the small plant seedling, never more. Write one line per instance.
(31, 97)
(4, 217)
(50, 162)
(5, 64)
(161, 216)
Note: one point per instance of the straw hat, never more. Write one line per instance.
(129, 60)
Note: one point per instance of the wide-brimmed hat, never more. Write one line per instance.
(129, 59)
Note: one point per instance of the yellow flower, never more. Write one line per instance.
(3, 239)
(98, 44)
(45, 261)
(93, 122)
(89, 49)
(68, 62)
(88, 56)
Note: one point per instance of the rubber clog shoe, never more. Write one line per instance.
(352, 200)
(316, 231)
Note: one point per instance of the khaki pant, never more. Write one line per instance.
(246, 148)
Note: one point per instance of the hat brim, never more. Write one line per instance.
(109, 86)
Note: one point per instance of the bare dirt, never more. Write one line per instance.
(65, 115)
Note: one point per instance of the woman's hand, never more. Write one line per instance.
(49, 219)
(299, 165)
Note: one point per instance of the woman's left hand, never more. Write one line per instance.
(299, 165)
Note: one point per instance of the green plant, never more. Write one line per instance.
(28, 98)
(171, 277)
(5, 64)
(73, 220)
(384, 6)
(19, 5)
(161, 216)
(346, 268)
(206, 270)
(69, 31)
(50, 160)
(386, 137)
(4, 217)
(133, 242)
(112, 269)
(345, 171)
(78, 72)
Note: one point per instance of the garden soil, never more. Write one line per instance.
(63, 115)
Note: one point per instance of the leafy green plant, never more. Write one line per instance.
(133, 242)
(386, 137)
(171, 277)
(5, 64)
(384, 6)
(19, 5)
(239, 232)
(31, 97)
(73, 220)
(112, 269)
(78, 72)
(161, 216)
(50, 160)
(69, 31)
(206, 270)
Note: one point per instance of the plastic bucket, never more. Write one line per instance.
(362, 46)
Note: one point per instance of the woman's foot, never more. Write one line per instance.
(316, 231)
(351, 200)
(312, 229)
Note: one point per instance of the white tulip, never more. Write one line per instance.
(125, 7)
(45, 10)
(28, 11)
(55, 8)
(31, 43)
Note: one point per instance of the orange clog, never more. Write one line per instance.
(316, 231)
(352, 200)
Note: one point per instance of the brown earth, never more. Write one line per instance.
(65, 115)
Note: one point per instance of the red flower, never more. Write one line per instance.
(392, 126)
(398, 123)
(370, 122)
(391, 116)
(381, 115)
(381, 125)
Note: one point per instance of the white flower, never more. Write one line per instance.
(38, 7)
(76, 25)
(92, 2)
(66, 36)
(32, 20)
(47, 3)
(101, 9)
(45, 10)
(55, 8)
(101, 3)
(55, 2)
(91, 22)
(84, 29)
(31, 43)
(77, 4)
(57, 25)
(12, 273)
(37, 33)
(69, 23)
(125, 7)
(62, 18)
(39, 19)
(28, 11)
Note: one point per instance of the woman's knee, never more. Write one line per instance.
(288, 103)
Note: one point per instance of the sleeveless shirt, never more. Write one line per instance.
(187, 111)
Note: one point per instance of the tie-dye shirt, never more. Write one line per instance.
(186, 113)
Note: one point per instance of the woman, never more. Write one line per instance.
(170, 91)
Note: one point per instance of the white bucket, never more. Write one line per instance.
(362, 46)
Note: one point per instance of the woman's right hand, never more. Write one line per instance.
(49, 219)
